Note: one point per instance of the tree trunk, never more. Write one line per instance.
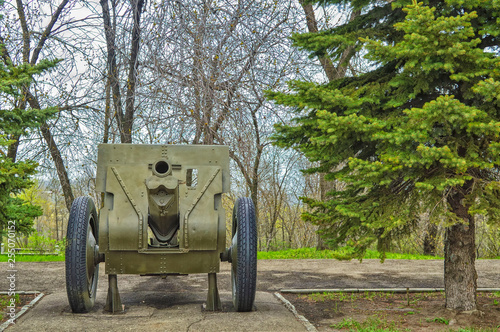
(59, 163)
(57, 219)
(460, 277)
(320, 243)
(430, 239)
(324, 188)
(331, 72)
(128, 119)
(384, 243)
(254, 191)
(107, 111)
(12, 149)
(55, 153)
(112, 68)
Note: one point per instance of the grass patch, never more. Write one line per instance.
(34, 258)
(5, 300)
(312, 253)
(439, 320)
(372, 324)
(370, 296)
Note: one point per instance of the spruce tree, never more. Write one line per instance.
(419, 132)
(15, 175)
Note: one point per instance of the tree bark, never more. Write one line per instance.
(460, 277)
(430, 239)
(128, 118)
(384, 243)
(107, 112)
(112, 68)
(56, 156)
(12, 149)
(312, 27)
(48, 30)
(324, 188)
(59, 163)
(57, 219)
(24, 28)
(332, 72)
(320, 243)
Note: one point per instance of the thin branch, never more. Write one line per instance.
(48, 30)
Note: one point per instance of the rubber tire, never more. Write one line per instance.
(244, 269)
(81, 291)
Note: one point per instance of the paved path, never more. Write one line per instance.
(175, 303)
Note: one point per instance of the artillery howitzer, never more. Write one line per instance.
(162, 214)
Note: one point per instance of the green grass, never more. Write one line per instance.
(440, 320)
(34, 258)
(5, 301)
(303, 253)
(312, 253)
(347, 297)
(372, 324)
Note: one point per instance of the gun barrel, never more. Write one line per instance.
(163, 203)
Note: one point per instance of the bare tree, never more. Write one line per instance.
(206, 67)
(125, 117)
(31, 55)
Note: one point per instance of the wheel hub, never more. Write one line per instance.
(92, 251)
(233, 251)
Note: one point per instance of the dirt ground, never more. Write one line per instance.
(425, 313)
(402, 312)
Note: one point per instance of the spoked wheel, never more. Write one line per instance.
(82, 255)
(244, 255)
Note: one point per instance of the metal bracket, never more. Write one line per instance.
(193, 205)
(113, 301)
(133, 203)
(213, 299)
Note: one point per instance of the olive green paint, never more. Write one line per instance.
(142, 180)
